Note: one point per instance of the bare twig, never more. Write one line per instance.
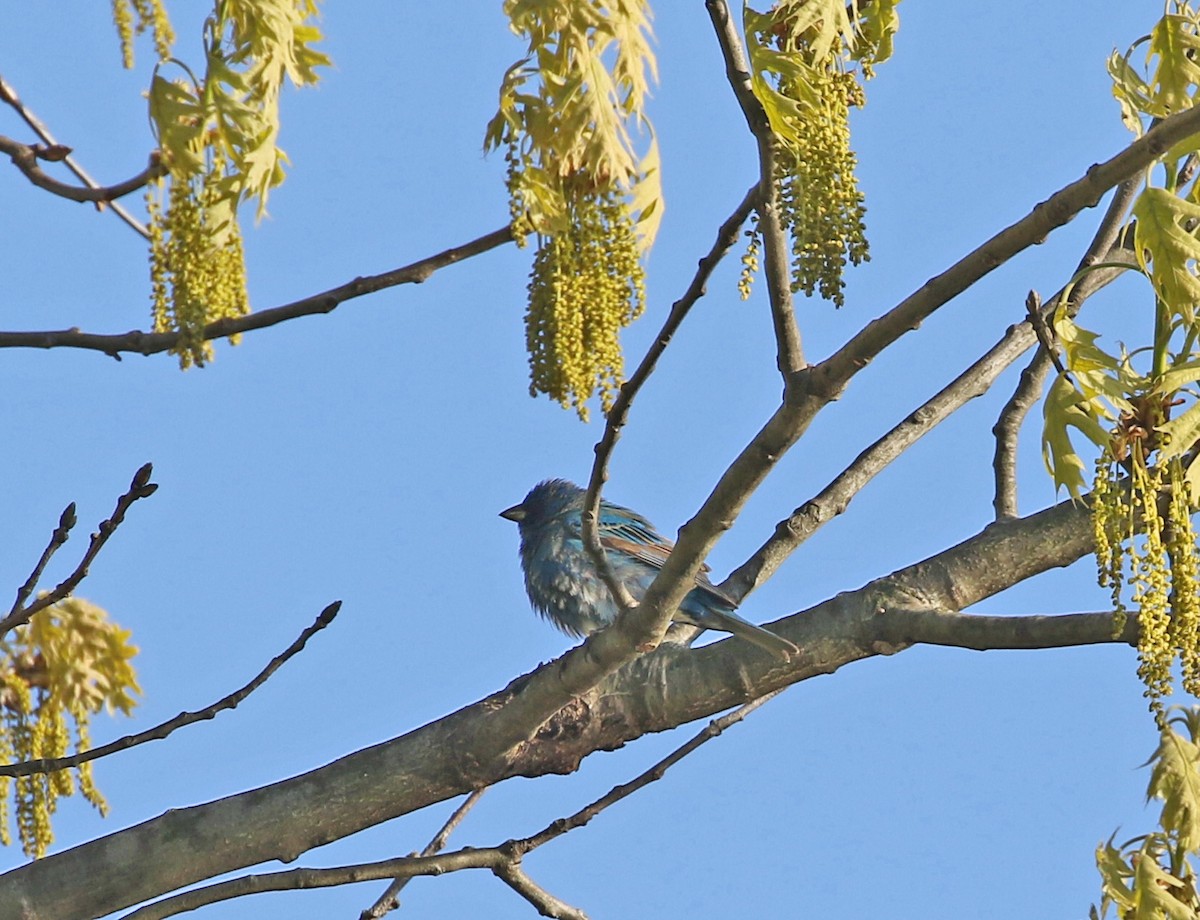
(547, 904)
(776, 259)
(9, 95)
(49, 765)
(1007, 429)
(26, 158)
(149, 343)
(1105, 243)
(390, 900)
(66, 521)
(618, 415)
(1033, 310)
(141, 487)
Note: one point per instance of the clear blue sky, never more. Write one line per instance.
(364, 455)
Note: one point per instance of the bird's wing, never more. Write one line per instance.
(625, 531)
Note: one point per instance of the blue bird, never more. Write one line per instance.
(565, 587)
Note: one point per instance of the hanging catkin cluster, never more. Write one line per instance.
(576, 180)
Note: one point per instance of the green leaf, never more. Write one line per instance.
(1167, 249)
(1065, 407)
(1175, 780)
(1180, 433)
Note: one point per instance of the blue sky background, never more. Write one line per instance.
(364, 456)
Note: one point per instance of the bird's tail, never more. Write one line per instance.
(764, 639)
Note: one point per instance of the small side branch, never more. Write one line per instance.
(8, 95)
(150, 343)
(1105, 246)
(141, 487)
(49, 765)
(618, 415)
(26, 158)
(66, 522)
(390, 899)
(547, 904)
(776, 262)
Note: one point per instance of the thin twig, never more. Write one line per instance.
(149, 343)
(141, 487)
(49, 765)
(390, 900)
(547, 904)
(9, 96)
(618, 415)
(501, 859)
(776, 258)
(1033, 310)
(1105, 243)
(26, 158)
(66, 521)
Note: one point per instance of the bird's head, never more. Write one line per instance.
(545, 501)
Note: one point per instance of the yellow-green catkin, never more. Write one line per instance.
(820, 202)
(1112, 523)
(751, 259)
(587, 284)
(1151, 583)
(197, 264)
(152, 16)
(1185, 592)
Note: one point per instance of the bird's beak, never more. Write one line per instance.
(515, 513)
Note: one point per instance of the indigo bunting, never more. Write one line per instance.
(565, 587)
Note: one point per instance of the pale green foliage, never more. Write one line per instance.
(1153, 876)
(218, 141)
(568, 115)
(1166, 242)
(808, 59)
(67, 664)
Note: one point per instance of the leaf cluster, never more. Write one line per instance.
(64, 666)
(567, 119)
(1153, 876)
(808, 61)
(218, 140)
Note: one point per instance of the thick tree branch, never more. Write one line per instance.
(776, 257)
(544, 722)
(149, 343)
(503, 860)
(986, 633)
(140, 487)
(9, 96)
(49, 765)
(618, 415)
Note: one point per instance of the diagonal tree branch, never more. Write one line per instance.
(49, 765)
(9, 96)
(816, 386)
(503, 860)
(149, 343)
(541, 723)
